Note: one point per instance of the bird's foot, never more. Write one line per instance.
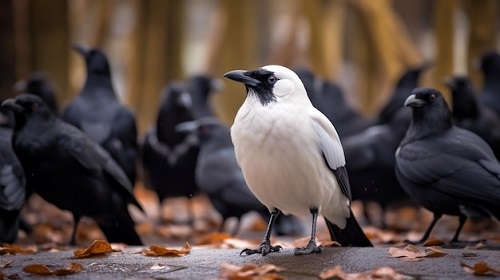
(309, 249)
(264, 249)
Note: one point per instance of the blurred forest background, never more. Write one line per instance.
(364, 45)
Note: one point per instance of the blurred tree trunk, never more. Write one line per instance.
(239, 51)
(483, 22)
(10, 68)
(390, 45)
(155, 55)
(50, 41)
(444, 29)
(333, 36)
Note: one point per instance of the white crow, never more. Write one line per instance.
(291, 157)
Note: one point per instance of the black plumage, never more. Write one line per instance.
(39, 84)
(98, 113)
(69, 170)
(469, 113)
(12, 181)
(201, 88)
(370, 163)
(168, 156)
(490, 93)
(444, 168)
(328, 97)
(406, 83)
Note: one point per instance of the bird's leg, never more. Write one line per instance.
(265, 247)
(76, 219)
(427, 233)
(311, 246)
(236, 228)
(461, 219)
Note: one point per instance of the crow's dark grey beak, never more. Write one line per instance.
(20, 85)
(12, 105)
(413, 101)
(240, 76)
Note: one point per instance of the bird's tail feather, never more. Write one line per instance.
(351, 235)
(122, 230)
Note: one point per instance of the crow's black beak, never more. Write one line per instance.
(413, 101)
(20, 85)
(240, 76)
(12, 105)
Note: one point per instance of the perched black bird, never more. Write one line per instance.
(201, 88)
(168, 156)
(66, 168)
(370, 163)
(490, 68)
(328, 97)
(220, 178)
(469, 113)
(446, 169)
(38, 83)
(98, 113)
(406, 83)
(12, 181)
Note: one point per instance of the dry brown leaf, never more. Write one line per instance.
(213, 238)
(250, 272)
(377, 235)
(97, 248)
(412, 253)
(16, 249)
(41, 269)
(379, 273)
(159, 251)
(5, 262)
(330, 243)
(433, 242)
(469, 254)
(475, 247)
(480, 269)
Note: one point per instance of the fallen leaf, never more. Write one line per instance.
(480, 269)
(157, 266)
(213, 238)
(330, 243)
(433, 242)
(475, 247)
(412, 253)
(5, 262)
(379, 273)
(250, 272)
(159, 251)
(16, 249)
(377, 235)
(41, 269)
(468, 255)
(98, 247)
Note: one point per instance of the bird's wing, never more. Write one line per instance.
(331, 148)
(124, 127)
(451, 168)
(92, 156)
(12, 187)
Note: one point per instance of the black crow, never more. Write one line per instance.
(220, 178)
(12, 181)
(490, 93)
(66, 168)
(168, 156)
(291, 157)
(469, 113)
(328, 97)
(406, 83)
(38, 83)
(201, 88)
(444, 168)
(98, 113)
(370, 163)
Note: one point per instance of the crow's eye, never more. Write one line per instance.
(271, 80)
(432, 97)
(34, 106)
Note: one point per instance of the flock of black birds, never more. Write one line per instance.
(416, 150)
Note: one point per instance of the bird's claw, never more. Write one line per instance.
(264, 249)
(309, 249)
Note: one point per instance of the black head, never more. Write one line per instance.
(490, 62)
(26, 105)
(429, 108)
(39, 84)
(177, 97)
(411, 76)
(96, 59)
(260, 81)
(465, 104)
